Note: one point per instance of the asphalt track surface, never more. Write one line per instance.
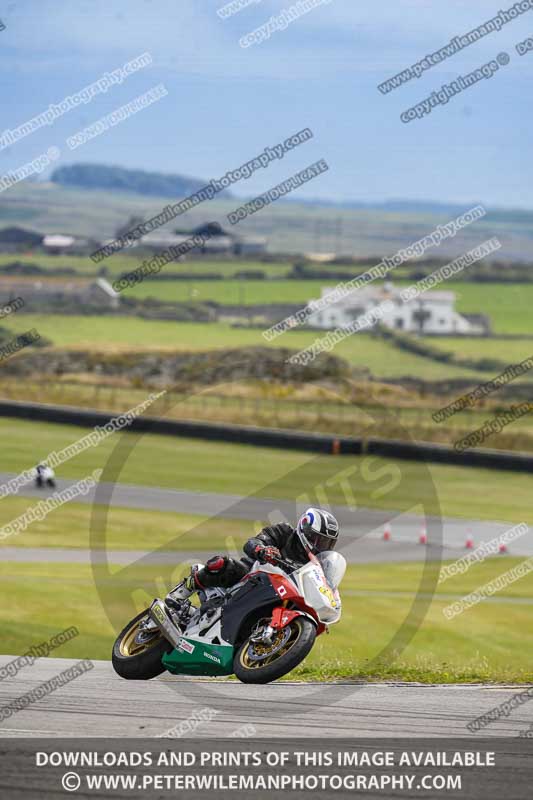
(99, 703)
(362, 528)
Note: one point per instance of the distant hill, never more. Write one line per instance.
(120, 179)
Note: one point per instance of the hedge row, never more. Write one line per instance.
(411, 344)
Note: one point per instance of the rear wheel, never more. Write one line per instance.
(258, 663)
(137, 654)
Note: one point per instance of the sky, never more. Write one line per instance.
(226, 103)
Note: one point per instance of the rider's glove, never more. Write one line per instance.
(267, 554)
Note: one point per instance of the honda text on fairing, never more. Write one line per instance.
(259, 629)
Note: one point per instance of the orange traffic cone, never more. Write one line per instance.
(387, 533)
(502, 548)
(469, 544)
(423, 538)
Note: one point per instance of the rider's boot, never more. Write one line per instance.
(186, 588)
(183, 590)
(201, 580)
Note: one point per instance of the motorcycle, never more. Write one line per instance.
(259, 630)
(44, 476)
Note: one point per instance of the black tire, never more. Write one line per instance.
(287, 661)
(144, 665)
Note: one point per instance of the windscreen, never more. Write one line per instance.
(334, 566)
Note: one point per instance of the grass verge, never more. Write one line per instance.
(127, 529)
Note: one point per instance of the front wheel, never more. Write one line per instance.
(137, 654)
(257, 663)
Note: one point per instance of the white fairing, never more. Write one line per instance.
(318, 583)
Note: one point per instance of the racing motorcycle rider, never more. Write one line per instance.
(316, 531)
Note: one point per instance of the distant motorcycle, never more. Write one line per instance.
(259, 630)
(44, 476)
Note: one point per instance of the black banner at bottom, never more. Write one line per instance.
(260, 768)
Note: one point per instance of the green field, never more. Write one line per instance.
(112, 334)
(232, 292)
(126, 529)
(181, 463)
(507, 306)
(490, 642)
(508, 351)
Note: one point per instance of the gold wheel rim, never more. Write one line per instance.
(129, 647)
(247, 662)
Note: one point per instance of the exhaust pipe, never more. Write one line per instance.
(158, 613)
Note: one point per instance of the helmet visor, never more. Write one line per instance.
(321, 542)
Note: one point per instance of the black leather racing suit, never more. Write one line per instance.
(224, 572)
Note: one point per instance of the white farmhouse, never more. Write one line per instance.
(431, 313)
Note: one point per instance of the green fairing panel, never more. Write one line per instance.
(205, 659)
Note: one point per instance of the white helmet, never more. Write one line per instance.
(318, 530)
